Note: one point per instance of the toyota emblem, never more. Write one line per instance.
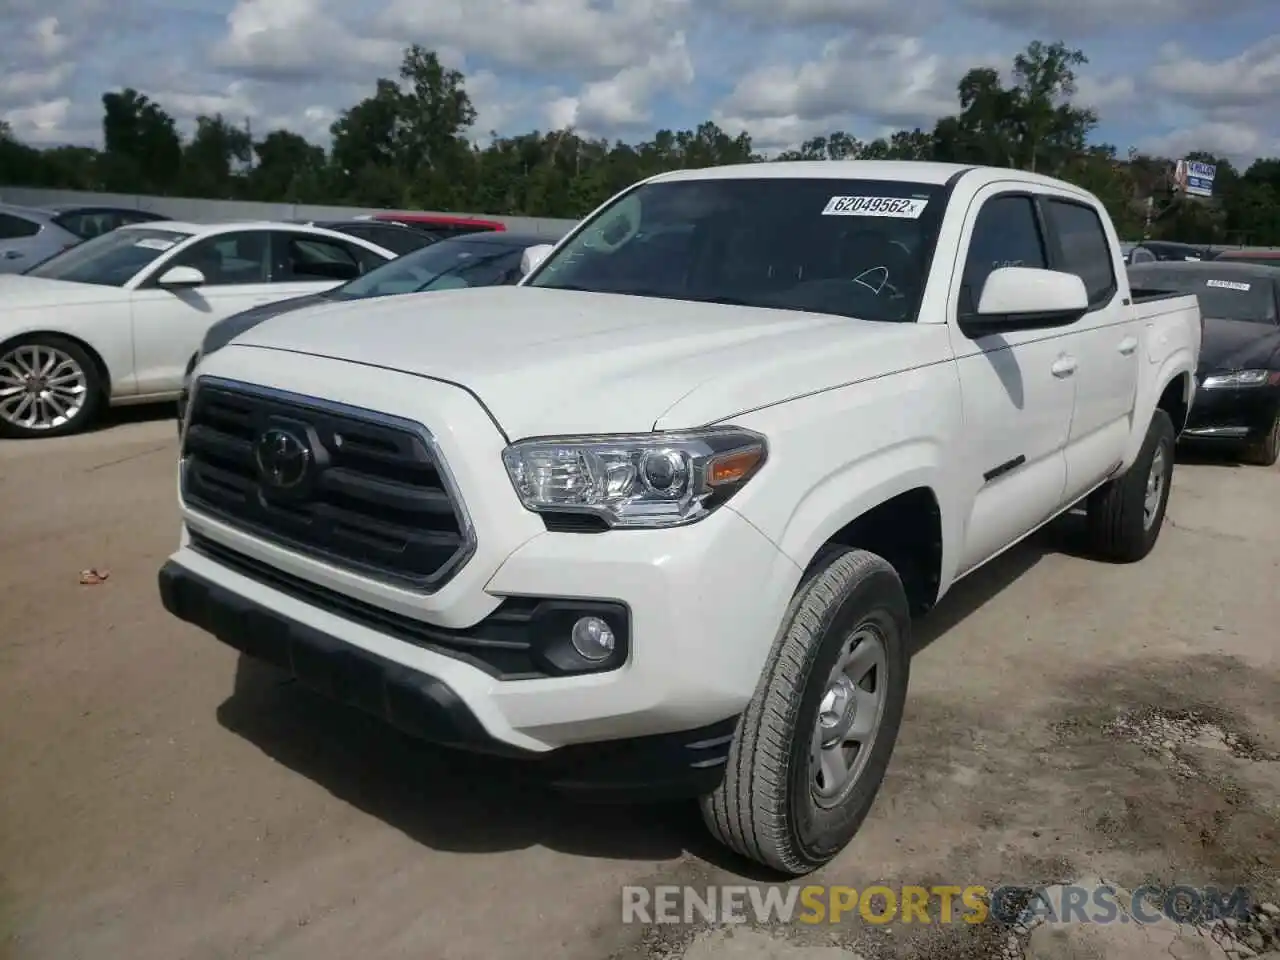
(283, 459)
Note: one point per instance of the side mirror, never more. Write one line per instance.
(533, 256)
(178, 277)
(1027, 298)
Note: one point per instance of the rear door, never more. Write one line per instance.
(1018, 387)
(1105, 342)
(23, 243)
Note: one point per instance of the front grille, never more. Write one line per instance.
(375, 496)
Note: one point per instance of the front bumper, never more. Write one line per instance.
(1240, 414)
(675, 765)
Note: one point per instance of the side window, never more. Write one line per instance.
(1006, 234)
(1084, 249)
(311, 259)
(399, 242)
(17, 228)
(230, 258)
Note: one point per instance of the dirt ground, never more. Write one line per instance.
(158, 800)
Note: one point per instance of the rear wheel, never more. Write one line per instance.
(812, 747)
(48, 387)
(1127, 513)
(1265, 451)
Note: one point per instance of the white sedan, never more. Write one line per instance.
(116, 319)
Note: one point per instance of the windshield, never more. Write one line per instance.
(447, 265)
(854, 248)
(1223, 296)
(110, 260)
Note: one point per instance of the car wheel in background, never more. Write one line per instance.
(1265, 451)
(49, 387)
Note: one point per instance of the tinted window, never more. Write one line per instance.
(313, 259)
(855, 248)
(1223, 295)
(112, 259)
(87, 224)
(1084, 249)
(398, 241)
(448, 265)
(1142, 255)
(230, 258)
(15, 228)
(1006, 234)
(138, 216)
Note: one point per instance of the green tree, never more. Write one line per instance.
(209, 161)
(142, 151)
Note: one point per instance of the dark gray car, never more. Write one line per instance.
(471, 260)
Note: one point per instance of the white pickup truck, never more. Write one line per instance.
(659, 518)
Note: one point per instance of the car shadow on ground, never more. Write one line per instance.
(143, 413)
(1208, 454)
(448, 800)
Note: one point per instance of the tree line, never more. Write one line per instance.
(410, 145)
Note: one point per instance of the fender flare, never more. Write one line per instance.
(1180, 363)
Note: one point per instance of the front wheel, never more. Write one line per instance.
(812, 746)
(48, 387)
(1265, 451)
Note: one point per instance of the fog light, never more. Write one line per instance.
(592, 638)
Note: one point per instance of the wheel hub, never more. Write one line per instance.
(837, 711)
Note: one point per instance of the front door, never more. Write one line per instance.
(1018, 388)
(168, 325)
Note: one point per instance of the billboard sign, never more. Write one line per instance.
(1194, 178)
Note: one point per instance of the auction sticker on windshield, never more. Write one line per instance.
(150, 243)
(1228, 285)
(903, 208)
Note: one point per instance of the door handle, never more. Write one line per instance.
(1128, 345)
(12, 255)
(1064, 367)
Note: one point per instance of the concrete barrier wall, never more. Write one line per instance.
(202, 211)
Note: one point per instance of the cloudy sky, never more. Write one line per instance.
(1165, 75)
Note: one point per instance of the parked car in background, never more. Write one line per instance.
(1149, 251)
(1238, 401)
(658, 520)
(477, 260)
(443, 225)
(29, 235)
(115, 319)
(87, 221)
(396, 237)
(1263, 258)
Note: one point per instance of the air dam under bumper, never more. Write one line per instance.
(668, 766)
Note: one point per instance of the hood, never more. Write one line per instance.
(19, 291)
(226, 329)
(1238, 345)
(565, 362)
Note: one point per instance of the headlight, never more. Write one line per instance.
(1241, 378)
(646, 480)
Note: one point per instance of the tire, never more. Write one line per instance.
(1121, 527)
(70, 365)
(768, 807)
(1265, 451)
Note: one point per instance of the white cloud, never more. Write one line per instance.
(623, 100)
(890, 80)
(1086, 16)
(865, 14)
(1250, 78)
(583, 36)
(291, 39)
(42, 122)
(1237, 141)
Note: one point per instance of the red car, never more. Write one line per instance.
(443, 226)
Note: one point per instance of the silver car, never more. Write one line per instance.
(28, 235)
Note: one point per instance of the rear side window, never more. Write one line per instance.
(1083, 248)
(1007, 234)
(15, 228)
